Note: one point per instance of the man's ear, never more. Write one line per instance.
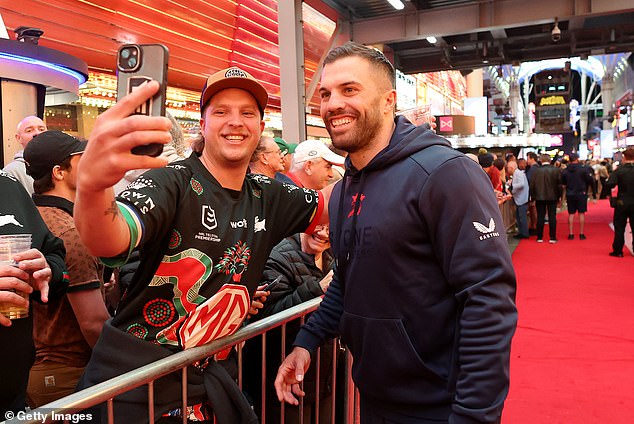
(308, 167)
(390, 101)
(57, 173)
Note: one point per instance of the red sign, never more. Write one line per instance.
(446, 123)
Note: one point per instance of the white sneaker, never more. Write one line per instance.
(552, 241)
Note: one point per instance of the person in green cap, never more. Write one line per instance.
(287, 149)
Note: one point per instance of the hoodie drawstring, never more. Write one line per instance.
(343, 256)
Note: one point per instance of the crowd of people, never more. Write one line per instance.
(541, 186)
(396, 230)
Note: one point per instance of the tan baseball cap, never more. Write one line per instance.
(234, 78)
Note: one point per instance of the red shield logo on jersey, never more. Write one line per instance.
(218, 316)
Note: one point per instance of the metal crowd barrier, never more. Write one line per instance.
(507, 209)
(146, 375)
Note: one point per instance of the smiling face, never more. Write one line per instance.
(357, 104)
(231, 127)
(317, 242)
(319, 173)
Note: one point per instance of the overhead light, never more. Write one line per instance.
(431, 39)
(57, 68)
(397, 4)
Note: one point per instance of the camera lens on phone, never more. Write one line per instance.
(129, 58)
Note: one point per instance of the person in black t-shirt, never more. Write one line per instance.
(203, 226)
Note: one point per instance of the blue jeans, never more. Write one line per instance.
(522, 219)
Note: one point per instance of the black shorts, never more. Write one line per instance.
(577, 203)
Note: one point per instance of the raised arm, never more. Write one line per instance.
(106, 160)
(326, 192)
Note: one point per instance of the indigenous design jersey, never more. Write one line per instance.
(203, 249)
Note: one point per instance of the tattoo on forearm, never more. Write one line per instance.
(113, 210)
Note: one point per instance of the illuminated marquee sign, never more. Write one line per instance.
(552, 100)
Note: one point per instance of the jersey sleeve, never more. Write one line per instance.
(299, 208)
(148, 206)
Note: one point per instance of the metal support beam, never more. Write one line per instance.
(292, 87)
(482, 16)
(333, 42)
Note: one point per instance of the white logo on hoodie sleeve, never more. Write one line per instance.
(487, 232)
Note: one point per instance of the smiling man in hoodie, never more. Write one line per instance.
(424, 290)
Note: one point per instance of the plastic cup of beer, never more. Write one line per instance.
(418, 115)
(11, 244)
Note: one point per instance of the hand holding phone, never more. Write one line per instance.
(272, 284)
(136, 64)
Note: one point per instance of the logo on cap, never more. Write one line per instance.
(235, 73)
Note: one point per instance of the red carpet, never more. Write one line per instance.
(572, 360)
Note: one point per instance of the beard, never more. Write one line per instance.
(362, 134)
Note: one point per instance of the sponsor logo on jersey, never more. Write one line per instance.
(239, 224)
(290, 187)
(205, 236)
(143, 202)
(487, 232)
(9, 219)
(262, 179)
(219, 316)
(309, 195)
(9, 176)
(209, 217)
(259, 225)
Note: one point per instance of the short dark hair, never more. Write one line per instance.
(499, 163)
(45, 184)
(372, 55)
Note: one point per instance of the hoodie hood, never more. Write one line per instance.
(574, 167)
(407, 139)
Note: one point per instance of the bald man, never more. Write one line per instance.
(27, 128)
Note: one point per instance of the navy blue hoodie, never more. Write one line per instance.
(576, 178)
(424, 290)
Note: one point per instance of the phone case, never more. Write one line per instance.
(153, 66)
